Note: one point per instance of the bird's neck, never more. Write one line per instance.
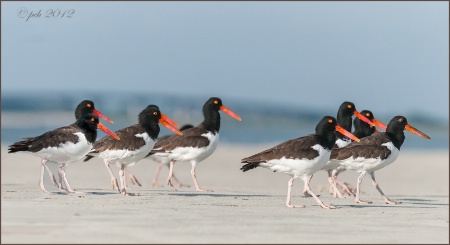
(212, 121)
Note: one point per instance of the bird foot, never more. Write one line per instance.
(294, 206)
(362, 202)
(326, 206)
(135, 181)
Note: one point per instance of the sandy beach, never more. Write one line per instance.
(243, 207)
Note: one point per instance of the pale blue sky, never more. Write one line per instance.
(383, 56)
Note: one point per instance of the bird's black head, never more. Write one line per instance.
(89, 121)
(325, 132)
(85, 107)
(362, 129)
(327, 123)
(395, 130)
(346, 109)
(212, 104)
(150, 114)
(149, 118)
(211, 114)
(397, 124)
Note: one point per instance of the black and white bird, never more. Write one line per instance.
(136, 142)
(164, 161)
(300, 157)
(84, 107)
(362, 129)
(197, 143)
(344, 119)
(375, 152)
(63, 145)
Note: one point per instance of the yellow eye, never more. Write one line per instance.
(89, 105)
(92, 119)
(330, 121)
(400, 119)
(155, 113)
(216, 102)
(349, 106)
(367, 114)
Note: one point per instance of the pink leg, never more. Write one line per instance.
(51, 176)
(41, 180)
(358, 188)
(169, 178)
(288, 200)
(113, 178)
(346, 187)
(155, 180)
(305, 192)
(194, 177)
(133, 179)
(331, 180)
(308, 189)
(179, 183)
(123, 182)
(62, 173)
(386, 199)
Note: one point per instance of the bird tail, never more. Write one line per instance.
(23, 145)
(249, 166)
(87, 158)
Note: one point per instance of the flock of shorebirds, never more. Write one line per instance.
(331, 148)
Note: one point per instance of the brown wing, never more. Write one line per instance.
(291, 149)
(191, 138)
(49, 139)
(127, 140)
(368, 147)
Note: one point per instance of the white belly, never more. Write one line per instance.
(194, 154)
(129, 157)
(372, 164)
(299, 167)
(67, 152)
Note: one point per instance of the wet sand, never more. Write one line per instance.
(244, 207)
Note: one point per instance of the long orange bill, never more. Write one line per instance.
(346, 133)
(106, 130)
(379, 124)
(102, 116)
(170, 121)
(230, 113)
(416, 131)
(169, 126)
(363, 118)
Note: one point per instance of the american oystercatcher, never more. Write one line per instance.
(300, 157)
(197, 143)
(161, 161)
(85, 107)
(362, 129)
(344, 119)
(136, 142)
(164, 161)
(63, 145)
(375, 152)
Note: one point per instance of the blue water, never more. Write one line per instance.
(22, 116)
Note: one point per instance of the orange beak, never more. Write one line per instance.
(168, 123)
(106, 130)
(416, 131)
(363, 118)
(100, 115)
(379, 124)
(230, 113)
(346, 133)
